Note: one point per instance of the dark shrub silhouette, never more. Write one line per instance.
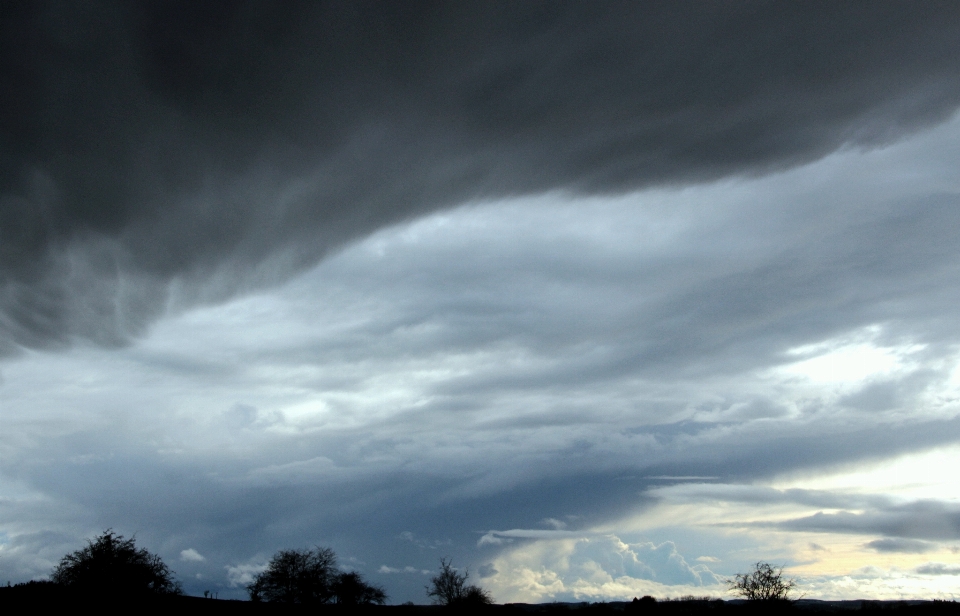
(449, 587)
(311, 577)
(764, 583)
(350, 589)
(112, 565)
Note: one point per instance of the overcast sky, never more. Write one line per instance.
(596, 299)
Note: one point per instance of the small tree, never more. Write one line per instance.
(449, 587)
(764, 583)
(311, 577)
(113, 565)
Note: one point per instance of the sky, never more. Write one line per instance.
(597, 300)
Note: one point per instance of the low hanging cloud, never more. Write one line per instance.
(163, 154)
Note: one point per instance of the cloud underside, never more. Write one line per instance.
(164, 154)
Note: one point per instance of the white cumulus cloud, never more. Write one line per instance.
(597, 567)
(191, 556)
(241, 575)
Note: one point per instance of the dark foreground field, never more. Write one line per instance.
(49, 599)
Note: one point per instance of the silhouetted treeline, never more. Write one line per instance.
(41, 597)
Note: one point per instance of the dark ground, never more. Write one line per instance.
(48, 598)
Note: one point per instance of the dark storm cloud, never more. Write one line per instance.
(166, 153)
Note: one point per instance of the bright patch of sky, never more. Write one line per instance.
(924, 475)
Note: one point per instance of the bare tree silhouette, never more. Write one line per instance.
(764, 583)
(449, 587)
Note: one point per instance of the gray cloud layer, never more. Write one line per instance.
(933, 520)
(897, 545)
(166, 153)
(905, 527)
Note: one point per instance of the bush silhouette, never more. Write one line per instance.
(112, 565)
(311, 577)
(449, 587)
(350, 589)
(764, 583)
